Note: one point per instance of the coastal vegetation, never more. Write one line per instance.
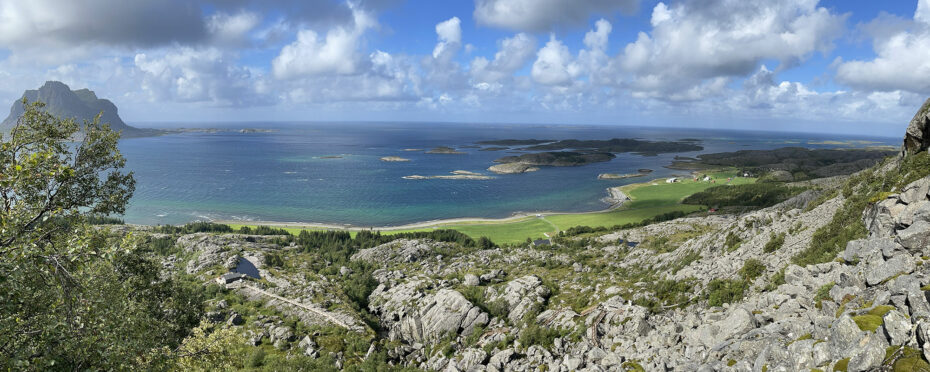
(789, 163)
(759, 195)
(558, 158)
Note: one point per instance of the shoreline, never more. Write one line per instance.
(615, 199)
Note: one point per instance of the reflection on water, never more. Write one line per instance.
(246, 267)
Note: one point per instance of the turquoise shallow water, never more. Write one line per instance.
(283, 176)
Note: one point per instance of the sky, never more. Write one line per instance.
(851, 67)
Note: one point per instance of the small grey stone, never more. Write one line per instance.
(471, 280)
(235, 319)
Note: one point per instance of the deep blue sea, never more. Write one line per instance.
(284, 175)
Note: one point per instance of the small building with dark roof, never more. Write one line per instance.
(230, 278)
(540, 242)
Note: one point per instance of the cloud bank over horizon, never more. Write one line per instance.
(750, 64)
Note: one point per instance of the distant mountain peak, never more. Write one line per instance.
(81, 104)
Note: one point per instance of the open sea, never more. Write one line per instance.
(332, 172)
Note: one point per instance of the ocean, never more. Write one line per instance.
(332, 173)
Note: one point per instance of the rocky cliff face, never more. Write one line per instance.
(917, 138)
(80, 105)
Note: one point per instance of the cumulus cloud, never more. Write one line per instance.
(199, 75)
(903, 56)
(232, 29)
(450, 38)
(337, 53)
(694, 44)
(513, 54)
(554, 64)
(545, 15)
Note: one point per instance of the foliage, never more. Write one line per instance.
(578, 230)
(776, 241)
(194, 227)
(534, 334)
(103, 220)
(204, 350)
(752, 269)
(823, 293)
(733, 242)
(73, 296)
(668, 294)
(759, 195)
(725, 291)
(262, 230)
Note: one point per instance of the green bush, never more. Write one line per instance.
(733, 242)
(752, 269)
(776, 241)
(725, 291)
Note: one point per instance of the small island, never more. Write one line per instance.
(614, 176)
(412, 150)
(559, 158)
(512, 168)
(331, 157)
(614, 145)
(455, 175)
(394, 159)
(445, 150)
(514, 142)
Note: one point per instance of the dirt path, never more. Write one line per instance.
(319, 312)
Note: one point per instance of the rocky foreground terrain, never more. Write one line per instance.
(836, 278)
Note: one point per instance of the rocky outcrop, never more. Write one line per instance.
(512, 168)
(904, 217)
(523, 296)
(917, 137)
(401, 250)
(417, 313)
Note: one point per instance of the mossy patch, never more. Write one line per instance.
(868, 322)
(841, 365)
(632, 366)
(903, 358)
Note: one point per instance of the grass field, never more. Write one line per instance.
(648, 200)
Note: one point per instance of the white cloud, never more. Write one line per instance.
(554, 64)
(337, 53)
(545, 15)
(205, 75)
(923, 11)
(903, 56)
(232, 29)
(695, 43)
(450, 38)
(513, 54)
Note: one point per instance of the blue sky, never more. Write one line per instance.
(808, 65)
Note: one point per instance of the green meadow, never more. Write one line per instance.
(648, 200)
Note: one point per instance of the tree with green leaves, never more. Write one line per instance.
(73, 296)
